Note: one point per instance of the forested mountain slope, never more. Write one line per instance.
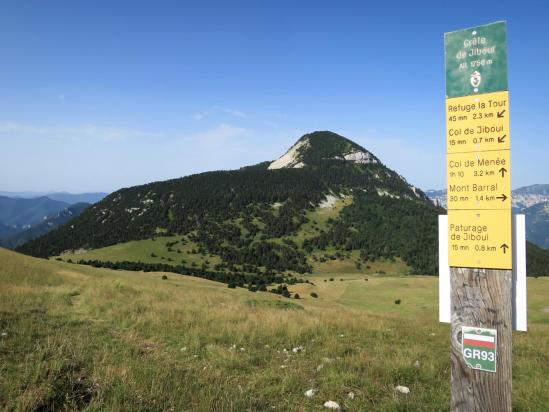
(252, 219)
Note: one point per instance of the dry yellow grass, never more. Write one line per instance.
(95, 339)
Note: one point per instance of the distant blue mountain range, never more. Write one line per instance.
(26, 215)
(19, 213)
(70, 198)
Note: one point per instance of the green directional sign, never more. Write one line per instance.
(476, 60)
(479, 348)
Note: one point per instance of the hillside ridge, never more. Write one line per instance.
(263, 219)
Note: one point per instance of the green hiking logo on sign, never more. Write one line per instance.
(479, 348)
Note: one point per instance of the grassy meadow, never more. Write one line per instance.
(79, 338)
(148, 251)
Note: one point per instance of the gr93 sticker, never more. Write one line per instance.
(479, 348)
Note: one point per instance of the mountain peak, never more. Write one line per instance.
(323, 145)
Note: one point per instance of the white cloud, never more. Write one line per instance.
(235, 112)
(222, 132)
(219, 147)
(18, 128)
(88, 132)
(278, 115)
(271, 124)
(216, 109)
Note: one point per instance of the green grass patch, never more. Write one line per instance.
(155, 250)
(318, 220)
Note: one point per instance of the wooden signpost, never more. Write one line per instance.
(480, 247)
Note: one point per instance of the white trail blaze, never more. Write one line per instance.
(481, 338)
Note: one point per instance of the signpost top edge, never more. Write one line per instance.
(475, 27)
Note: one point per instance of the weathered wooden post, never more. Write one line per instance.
(479, 217)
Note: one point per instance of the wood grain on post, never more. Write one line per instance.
(481, 298)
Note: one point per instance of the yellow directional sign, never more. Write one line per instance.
(480, 239)
(479, 180)
(478, 122)
(478, 148)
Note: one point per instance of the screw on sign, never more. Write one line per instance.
(479, 348)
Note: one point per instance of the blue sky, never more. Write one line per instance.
(98, 95)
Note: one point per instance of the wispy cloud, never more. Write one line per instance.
(277, 115)
(18, 128)
(271, 124)
(216, 109)
(223, 146)
(235, 112)
(220, 133)
(13, 129)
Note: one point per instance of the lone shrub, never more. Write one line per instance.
(164, 277)
(397, 302)
(314, 295)
(296, 296)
